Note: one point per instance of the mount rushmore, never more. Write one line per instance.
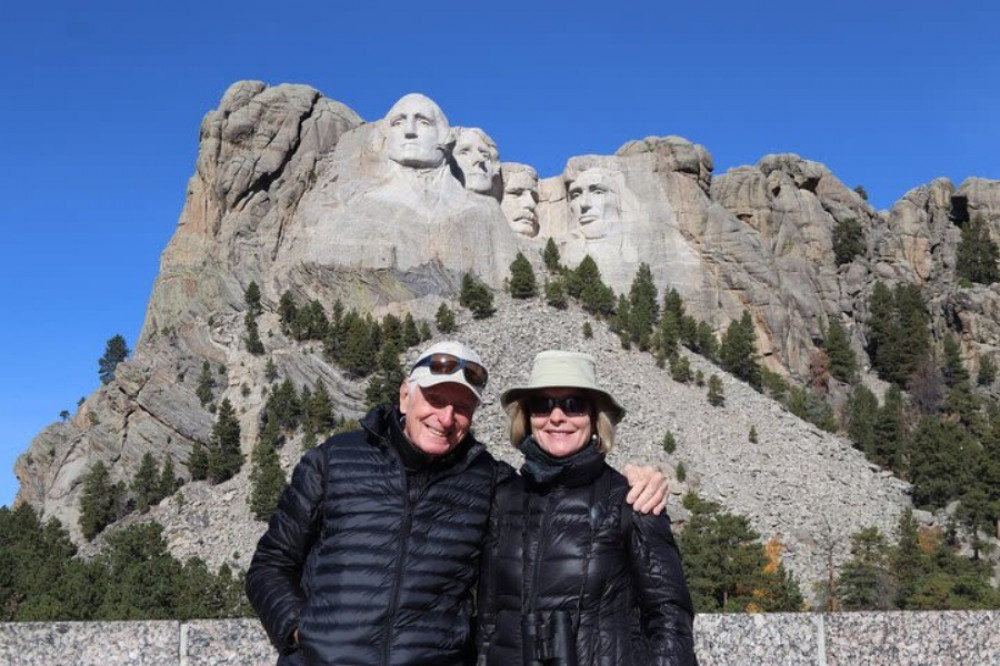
(293, 191)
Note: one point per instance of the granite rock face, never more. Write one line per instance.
(295, 192)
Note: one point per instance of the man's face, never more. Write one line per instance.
(520, 198)
(437, 417)
(477, 162)
(416, 130)
(593, 203)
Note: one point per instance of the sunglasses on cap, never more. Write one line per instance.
(449, 364)
(571, 405)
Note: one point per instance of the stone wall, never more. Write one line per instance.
(807, 639)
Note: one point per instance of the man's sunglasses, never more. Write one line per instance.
(449, 364)
(571, 405)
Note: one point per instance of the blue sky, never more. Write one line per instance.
(103, 100)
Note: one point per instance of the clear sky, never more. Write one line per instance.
(102, 103)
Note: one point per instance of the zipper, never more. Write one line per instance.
(397, 581)
(542, 538)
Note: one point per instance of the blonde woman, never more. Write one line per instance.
(571, 575)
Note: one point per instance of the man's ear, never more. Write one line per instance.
(404, 395)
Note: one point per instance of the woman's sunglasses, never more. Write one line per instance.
(449, 364)
(571, 405)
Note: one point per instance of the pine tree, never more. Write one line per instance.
(595, 296)
(267, 480)
(270, 371)
(680, 369)
(941, 462)
(115, 352)
(253, 342)
(954, 368)
(224, 455)
(551, 257)
(752, 437)
(588, 331)
(145, 483)
(907, 560)
(360, 347)
(977, 254)
(205, 384)
(98, 502)
(252, 299)
(669, 442)
(706, 343)
(644, 310)
(738, 351)
(411, 336)
(197, 462)
(865, 582)
(522, 278)
(167, 484)
(726, 567)
(143, 576)
(848, 241)
(288, 312)
(392, 332)
(862, 414)
(445, 318)
(843, 361)
(555, 294)
(898, 337)
(383, 387)
(716, 398)
(320, 419)
(425, 330)
(668, 334)
(987, 370)
(476, 296)
(890, 437)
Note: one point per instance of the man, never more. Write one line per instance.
(373, 552)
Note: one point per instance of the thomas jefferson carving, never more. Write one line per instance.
(476, 155)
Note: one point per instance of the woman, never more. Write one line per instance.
(571, 575)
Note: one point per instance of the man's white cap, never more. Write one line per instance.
(422, 376)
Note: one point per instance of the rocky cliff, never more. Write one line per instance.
(293, 191)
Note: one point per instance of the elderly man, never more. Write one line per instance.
(373, 552)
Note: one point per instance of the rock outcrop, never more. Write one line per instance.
(296, 193)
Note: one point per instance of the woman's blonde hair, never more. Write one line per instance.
(600, 422)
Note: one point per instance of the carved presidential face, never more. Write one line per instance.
(520, 200)
(478, 160)
(594, 203)
(416, 132)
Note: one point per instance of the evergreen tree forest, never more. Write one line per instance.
(133, 578)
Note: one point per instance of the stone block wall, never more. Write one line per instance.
(965, 638)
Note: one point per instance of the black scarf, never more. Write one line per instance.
(576, 469)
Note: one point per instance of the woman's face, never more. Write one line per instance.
(560, 420)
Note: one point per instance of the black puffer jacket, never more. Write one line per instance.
(373, 563)
(565, 547)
